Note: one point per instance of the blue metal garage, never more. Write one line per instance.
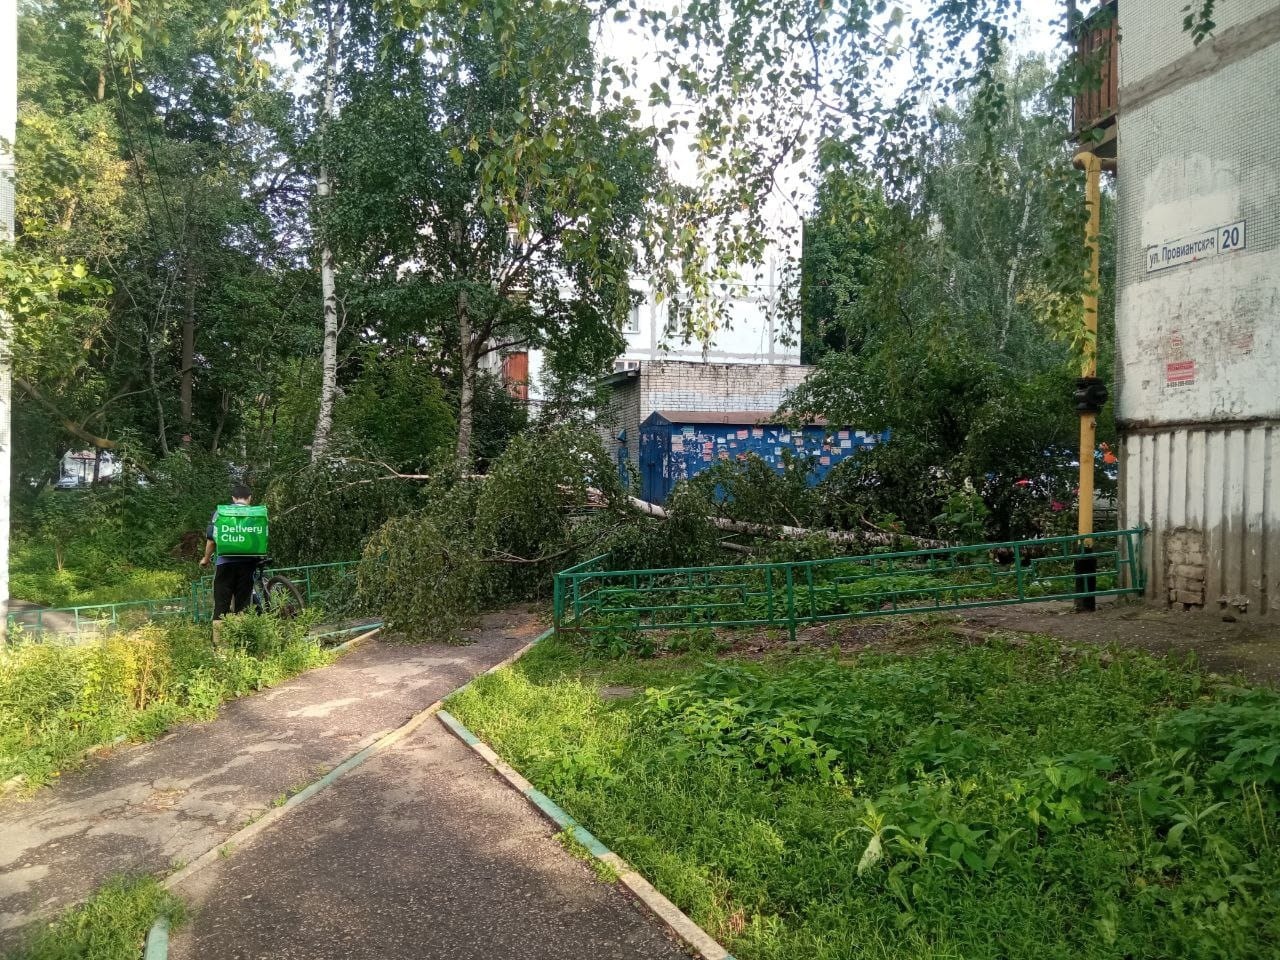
(678, 444)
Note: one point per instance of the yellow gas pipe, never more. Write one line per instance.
(1089, 394)
(1092, 166)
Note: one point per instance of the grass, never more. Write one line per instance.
(111, 925)
(56, 701)
(963, 802)
(604, 873)
(91, 577)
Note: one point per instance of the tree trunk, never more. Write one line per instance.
(75, 429)
(188, 349)
(324, 187)
(8, 125)
(223, 409)
(155, 391)
(781, 532)
(467, 393)
(329, 362)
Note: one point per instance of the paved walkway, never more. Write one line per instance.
(151, 807)
(422, 853)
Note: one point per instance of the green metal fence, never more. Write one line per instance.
(314, 580)
(592, 597)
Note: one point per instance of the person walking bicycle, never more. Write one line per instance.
(237, 534)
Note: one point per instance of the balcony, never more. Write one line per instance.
(1093, 109)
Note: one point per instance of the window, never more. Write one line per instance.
(632, 323)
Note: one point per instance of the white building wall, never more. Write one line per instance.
(1198, 324)
(720, 387)
(754, 333)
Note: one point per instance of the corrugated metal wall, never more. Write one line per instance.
(1214, 491)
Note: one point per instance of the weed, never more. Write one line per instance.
(603, 871)
(111, 925)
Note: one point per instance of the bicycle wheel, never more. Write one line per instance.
(284, 599)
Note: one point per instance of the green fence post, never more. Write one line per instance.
(791, 603)
(557, 603)
(813, 594)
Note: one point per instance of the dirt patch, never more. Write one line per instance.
(1250, 651)
(901, 635)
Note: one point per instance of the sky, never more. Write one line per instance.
(1036, 33)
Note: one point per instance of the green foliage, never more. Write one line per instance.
(154, 179)
(963, 518)
(948, 319)
(754, 491)
(687, 537)
(978, 802)
(325, 512)
(485, 541)
(166, 514)
(133, 539)
(424, 571)
(396, 410)
(110, 925)
(58, 519)
(518, 197)
(498, 417)
(1232, 744)
(95, 578)
(55, 701)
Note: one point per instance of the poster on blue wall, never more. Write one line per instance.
(674, 449)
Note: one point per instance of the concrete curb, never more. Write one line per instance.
(676, 920)
(157, 945)
(354, 641)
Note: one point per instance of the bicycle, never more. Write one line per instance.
(275, 594)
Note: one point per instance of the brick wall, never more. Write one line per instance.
(622, 413)
(682, 385)
(1184, 563)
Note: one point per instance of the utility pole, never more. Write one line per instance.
(8, 131)
(1091, 393)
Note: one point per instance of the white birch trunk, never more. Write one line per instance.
(8, 127)
(781, 532)
(467, 391)
(328, 287)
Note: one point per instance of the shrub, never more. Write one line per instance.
(55, 701)
(482, 542)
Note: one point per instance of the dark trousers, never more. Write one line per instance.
(232, 587)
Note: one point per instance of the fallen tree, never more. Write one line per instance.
(874, 536)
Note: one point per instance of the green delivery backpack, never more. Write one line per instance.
(240, 531)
